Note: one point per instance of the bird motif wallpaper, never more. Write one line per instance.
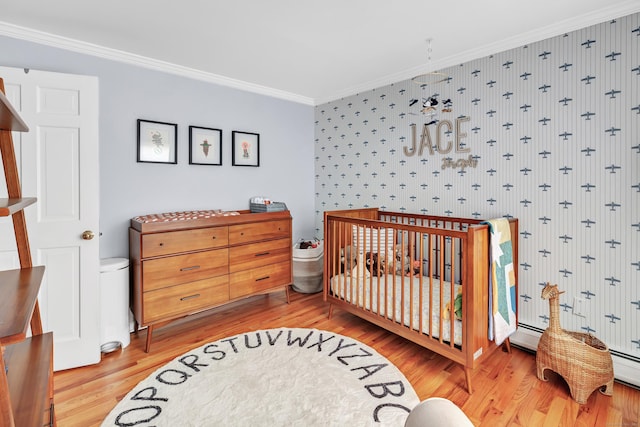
(548, 133)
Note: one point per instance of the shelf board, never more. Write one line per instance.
(29, 374)
(11, 206)
(9, 117)
(19, 290)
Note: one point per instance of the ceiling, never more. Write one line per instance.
(304, 51)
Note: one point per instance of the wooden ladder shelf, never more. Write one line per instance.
(26, 364)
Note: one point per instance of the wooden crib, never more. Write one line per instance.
(413, 264)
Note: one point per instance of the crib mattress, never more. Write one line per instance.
(365, 291)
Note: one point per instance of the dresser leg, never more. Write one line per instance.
(286, 291)
(149, 334)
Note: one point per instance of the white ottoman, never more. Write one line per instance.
(437, 412)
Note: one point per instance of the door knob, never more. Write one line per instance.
(88, 235)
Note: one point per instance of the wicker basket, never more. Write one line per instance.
(272, 207)
(581, 359)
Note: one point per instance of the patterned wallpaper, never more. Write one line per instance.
(552, 138)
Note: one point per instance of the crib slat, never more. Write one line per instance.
(355, 290)
(441, 311)
(431, 301)
(421, 284)
(452, 316)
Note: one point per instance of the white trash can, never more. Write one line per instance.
(307, 268)
(114, 304)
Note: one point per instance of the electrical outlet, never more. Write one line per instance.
(579, 307)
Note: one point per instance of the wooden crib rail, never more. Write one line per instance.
(338, 228)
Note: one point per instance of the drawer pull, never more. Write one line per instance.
(194, 267)
(263, 254)
(262, 278)
(189, 297)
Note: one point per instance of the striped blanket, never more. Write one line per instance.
(502, 282)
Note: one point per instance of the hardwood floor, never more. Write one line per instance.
(507, 391)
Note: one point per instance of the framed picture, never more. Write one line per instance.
(157, 142)
(205, 146)
(245, 149)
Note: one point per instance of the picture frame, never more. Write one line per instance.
(245, 149)
(205, 146)
(157, 142)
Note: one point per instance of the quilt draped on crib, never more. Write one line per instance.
(502, 282)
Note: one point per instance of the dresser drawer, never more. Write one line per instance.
(255, 255)
(257, 231)
(162, 272)
(259, 279)
(183, 241)
(181, 300)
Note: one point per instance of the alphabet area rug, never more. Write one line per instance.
(274, 377)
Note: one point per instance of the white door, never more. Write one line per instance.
(59, 165)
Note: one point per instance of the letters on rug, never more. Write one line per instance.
(274, 377)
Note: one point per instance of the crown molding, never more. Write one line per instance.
(35, 36)
(561, 27)
(556, 29)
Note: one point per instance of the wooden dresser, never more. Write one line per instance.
(187, 262)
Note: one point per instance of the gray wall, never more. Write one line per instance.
(572, 178)
(128, 188)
